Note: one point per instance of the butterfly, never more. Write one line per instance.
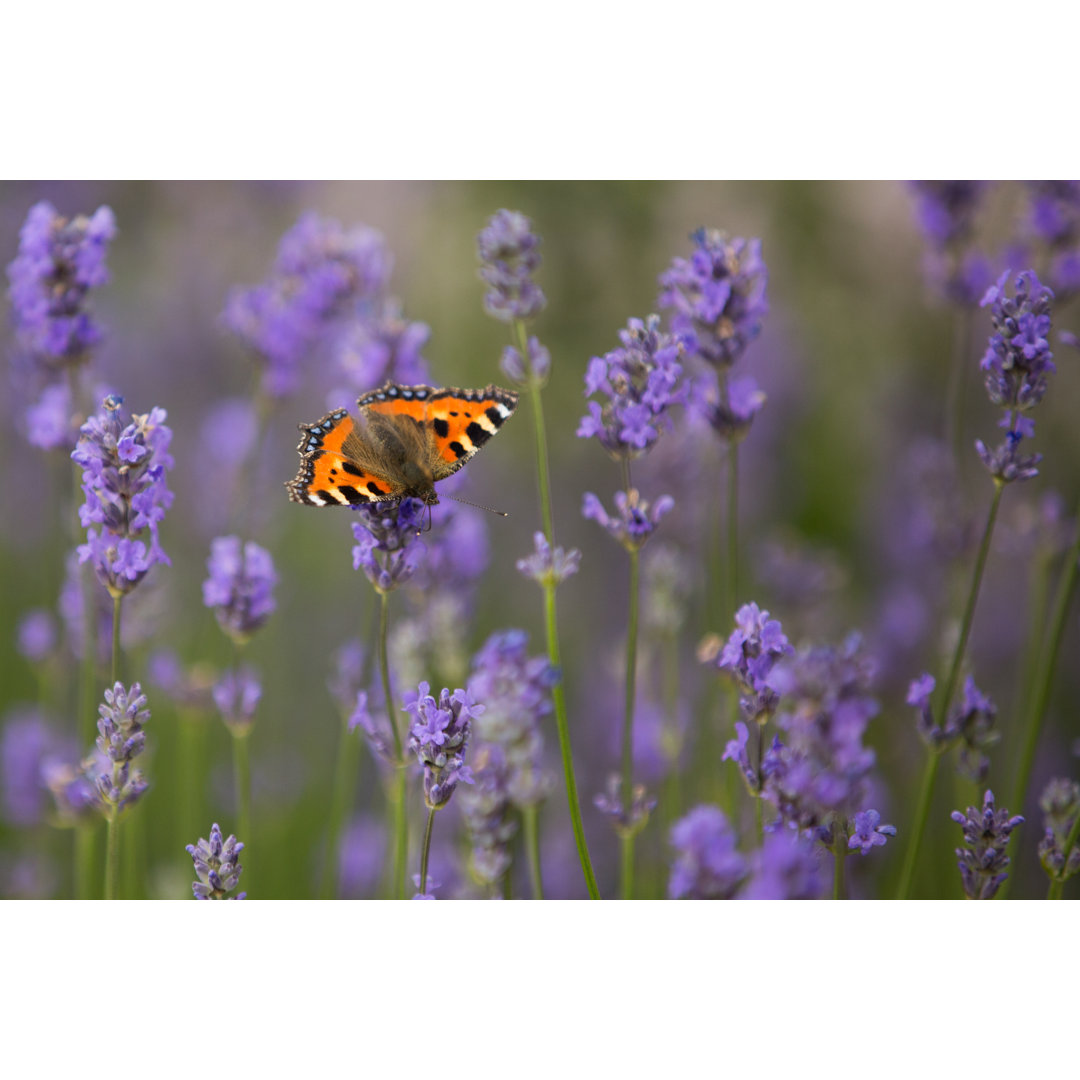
(406, 440)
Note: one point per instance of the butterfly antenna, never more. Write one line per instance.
(478, 506)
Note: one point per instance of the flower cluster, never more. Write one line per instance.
(121, 739)
(510, 254)
(217, 866)
(732, 414)
(322, 273)
(380, 347)
(240, 587)
(237, 694)
(1060, 804)
(36, 640)
(59, 261)
(486, 808)
(786, 867)
(970, 722)
(126, 494)
(982, 863)
(636, 519)
(388, 546)
(749, 656)
(516, 691)
(641, 381)
(1055, 220)
(548, 565)
(868, 832)
(946, 211)
(438, 735)
(817, 778)
(28, 746)
(1016, 364)
(717, 296)
(533, 368)
(707, 864)
(628, 820)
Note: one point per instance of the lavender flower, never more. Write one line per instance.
(36, 636)
(868, 832)
(360, 858)
(732, 416)
(749, 657)
(322, 274)
(388, 547)
(946, 210)
(548, 566)
(707, 865)
(509, 254)
(28, 748)
(487, 810)
(382, 347)
(982, 863)
(438, 735)
(50, 421)
(237, 695)
(532, 369)
(818, 776)
(188, 687)
(1017, 363)
(370, 717)
(516, 691)
(240, 587)
(1060, 804)
(1055, 220)
(121, 739)
(126, 494)
(717, 296)
(347, 677)
(636, 520)
(59, 261)
(74, 787)
(970, 722)
(641, 381)
(786, 867)
(217, 866)
(628, 820)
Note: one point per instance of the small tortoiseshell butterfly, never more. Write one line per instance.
(406, 440)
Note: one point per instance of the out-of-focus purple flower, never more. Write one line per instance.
(749, 656)
(29, 748)
(636, 520)
(187, 687)
(1016, 364)
(868, 832)
(946, 211)
(547, 565)
(457, 549)
(707, 865)
(640, 380)
(59, 261)
(428, 892)
(717, 296)
(322, 274)
(785, 867)
(388, 546)
(668, 583)
(516, 691)
(510, 254)
(533, 369)
(381, 347)
(970, 722)
(126, 493)
(360, 858)
(735, 750)
(438, 735)
(240, 587)
(369, 715)
(237, 695)
(121, 739)
(217, 866)
(732, 414)
(348, 674)
(487, 810)
(982, 863)
(819, 774)
(627, 820)
(50, 420)
(1060, 803)
(36, 635)
(1054, 219)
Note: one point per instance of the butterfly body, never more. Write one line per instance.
(406, 439)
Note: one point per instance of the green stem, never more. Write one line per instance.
(400, 818)
(340, 805)
(112, 854)
(1044, 673)
(1057, 887)
(530, 816)
(242, 786)
(88, 667)
(540, 432)
(118, 599)
(628, 725)
(424, 852)
(732, 531)
(384, 673)
(954, 393)
(839, 855)
(922, 812)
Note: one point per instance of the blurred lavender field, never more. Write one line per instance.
(785, 738)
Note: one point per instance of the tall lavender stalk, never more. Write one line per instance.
(509, 254)
(1016, 367)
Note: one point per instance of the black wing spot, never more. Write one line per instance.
(478, 435)
(326, 497)
(374, 488)
(457, 449)
(351, 493)
(351, 469)
(494, 416)
(442, 428)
